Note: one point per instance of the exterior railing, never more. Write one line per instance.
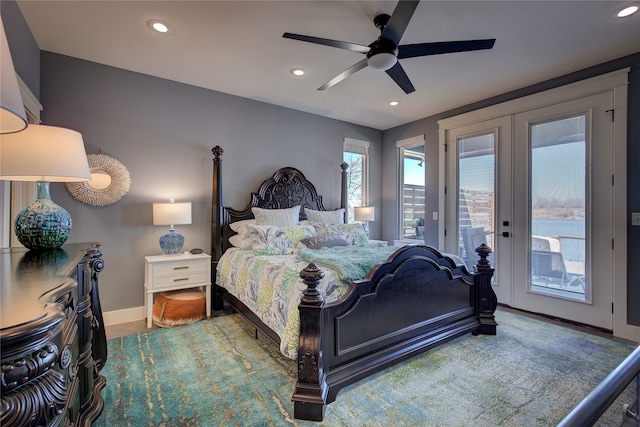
(601, 398)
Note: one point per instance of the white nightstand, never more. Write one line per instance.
(173, 272)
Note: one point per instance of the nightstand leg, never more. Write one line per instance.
(149, 304)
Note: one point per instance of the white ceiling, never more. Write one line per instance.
(237, 47)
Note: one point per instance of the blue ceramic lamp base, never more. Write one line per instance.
(43, 225)
(172, 242)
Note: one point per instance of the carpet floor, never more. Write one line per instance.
(215, 373)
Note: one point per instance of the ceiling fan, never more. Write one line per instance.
(384, 53)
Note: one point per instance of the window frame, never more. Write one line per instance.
(358, 147)
(403, 145)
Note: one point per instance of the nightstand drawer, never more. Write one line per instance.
(181, 278)
(185, 267)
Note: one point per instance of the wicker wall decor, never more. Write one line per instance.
(110, 182)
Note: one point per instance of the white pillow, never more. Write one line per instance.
(240, 242)
(279, 217)
(235, 226)
(325, 217)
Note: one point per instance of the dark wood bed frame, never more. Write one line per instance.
(414, 301)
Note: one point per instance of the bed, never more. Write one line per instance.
(414, 299)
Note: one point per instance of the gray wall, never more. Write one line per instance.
(429, 127)
(163, 132)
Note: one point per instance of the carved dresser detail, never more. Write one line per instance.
(52, 338)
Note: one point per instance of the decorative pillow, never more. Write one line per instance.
(320, 242)
(325, 217)
(240, 242)
(274, 240)
(352, 233)
(235, 226)
(280, 217)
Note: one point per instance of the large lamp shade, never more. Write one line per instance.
(43, 154)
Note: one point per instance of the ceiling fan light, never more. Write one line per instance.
(382, 61)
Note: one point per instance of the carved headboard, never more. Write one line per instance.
(287, 187)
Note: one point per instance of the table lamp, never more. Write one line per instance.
(43, 154)
(171, 214)
(364, 214)
(12, 115)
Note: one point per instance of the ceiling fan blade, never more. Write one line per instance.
(343, 75)
(328, 42)
(400, 77)
(425, 49)
(399, 20)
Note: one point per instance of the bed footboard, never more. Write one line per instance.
(414, 301)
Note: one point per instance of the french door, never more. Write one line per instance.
(563, 158)
(479, 194)
(536, 187)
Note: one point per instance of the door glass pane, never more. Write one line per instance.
(476, 201)
(413, 208)
(558, 206)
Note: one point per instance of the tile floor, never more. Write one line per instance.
(124, 329)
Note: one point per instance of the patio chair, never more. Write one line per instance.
(472, 237)
(548, 268)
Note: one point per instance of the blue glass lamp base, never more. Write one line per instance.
(172, 242)
(43, 225)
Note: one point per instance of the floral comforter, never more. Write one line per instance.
(270, 286)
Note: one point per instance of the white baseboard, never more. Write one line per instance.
(123, 316)
(628, 332)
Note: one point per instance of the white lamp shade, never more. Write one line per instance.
(12, 115)
(171, 213)
(364, 213)
(43, 153)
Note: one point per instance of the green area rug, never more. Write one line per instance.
(215, 373)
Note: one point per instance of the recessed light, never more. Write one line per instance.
(297, 72)
(159, 26)
(628, 10)
(394, 103)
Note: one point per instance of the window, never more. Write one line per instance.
(411, 173)
(355, 154)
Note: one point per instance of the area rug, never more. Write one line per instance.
(215, 373)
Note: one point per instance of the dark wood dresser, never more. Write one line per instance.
(52, 338)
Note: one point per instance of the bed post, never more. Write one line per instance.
(487, 300)
(216, 223)
(310, 394)
(343, 191)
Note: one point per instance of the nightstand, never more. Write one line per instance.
(174, 272)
